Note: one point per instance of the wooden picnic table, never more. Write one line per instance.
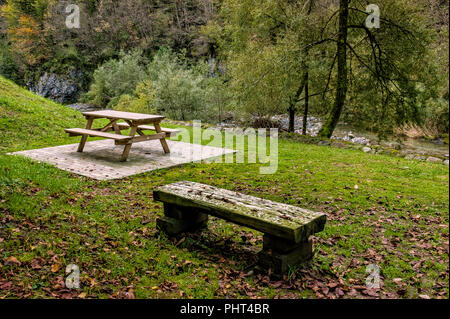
(136, 122)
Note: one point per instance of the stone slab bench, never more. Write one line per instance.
(287, 229)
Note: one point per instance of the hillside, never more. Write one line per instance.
(28, 120)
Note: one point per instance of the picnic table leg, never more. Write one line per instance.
(126, 150)
(116, 128)
(163, 140)
(84, 137)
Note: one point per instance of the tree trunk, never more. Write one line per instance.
(341, 90)
(303, 85)
(291, 117)
(305, 112)
(294, 101)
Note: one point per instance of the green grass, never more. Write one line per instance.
(27, 120)
(397, 218)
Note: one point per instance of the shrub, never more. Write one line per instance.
(167, 85)
(186, 92)
(8, 67)
(142, 101)
(116, 78)
(179, 94)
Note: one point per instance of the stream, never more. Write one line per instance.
(417, 148)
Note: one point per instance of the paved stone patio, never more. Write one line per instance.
(101, 159)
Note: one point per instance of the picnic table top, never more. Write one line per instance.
(111, 114)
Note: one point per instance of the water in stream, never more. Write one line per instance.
(417, 145)
(348, 133)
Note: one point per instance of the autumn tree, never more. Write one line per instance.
(25, 29)
(42, 42)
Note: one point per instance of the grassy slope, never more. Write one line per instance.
(27, 120)
(396, 218)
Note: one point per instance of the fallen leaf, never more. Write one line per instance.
(12, 261)
(55, 267)
(332, 285)
(36, 263)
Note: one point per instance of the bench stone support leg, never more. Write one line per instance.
(181, 219)
(280, 255)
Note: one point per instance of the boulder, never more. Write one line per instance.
(434, 159)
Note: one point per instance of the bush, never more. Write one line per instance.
(186, 92)
(116, 78)
(179, 94)
(8, 67)
(437, 114)
(143, 100)
(167, 85)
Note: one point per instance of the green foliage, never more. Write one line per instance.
(392, 71)
(34, 8)
(115, 78)
(389, 76)
(436, 115)
(142, 101)
(37, 31)
(261, 48)
(178, 90)
(169, 86)
(8, 67)
(265, 49)
(179, 95)
(187, 92)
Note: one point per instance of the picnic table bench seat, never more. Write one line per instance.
(169, 131)
(287, 229)
(96, 133)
